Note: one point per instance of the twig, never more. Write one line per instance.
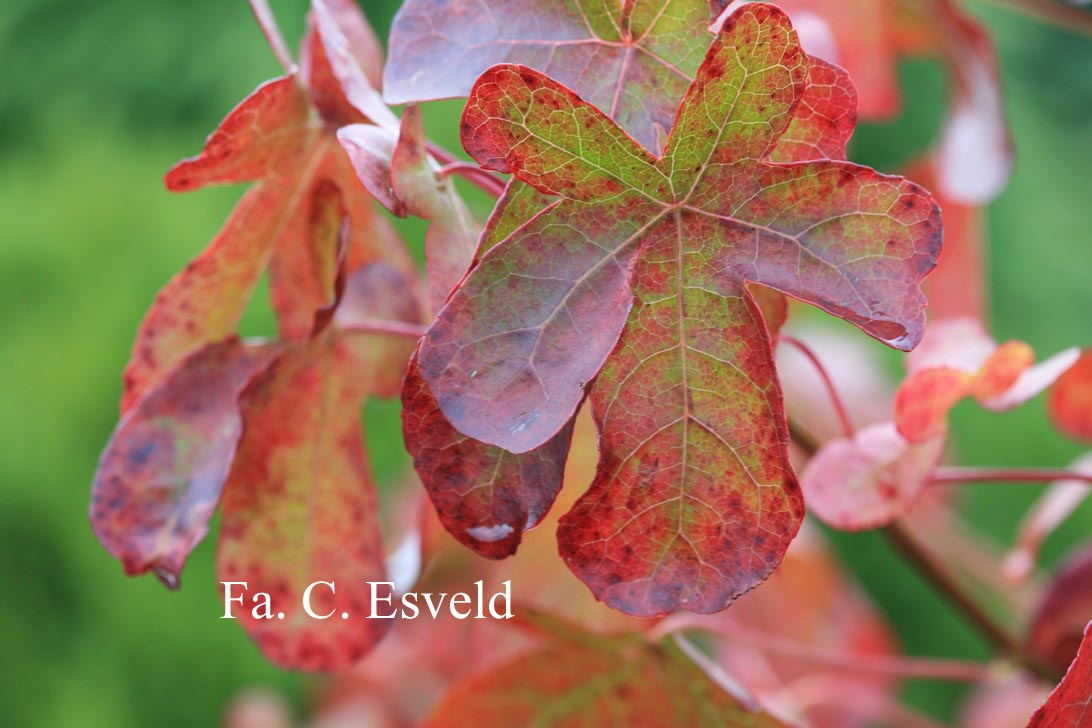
(480, 178)
(953, 475)
(272, 32)
(949, 587)
(832, 391)
(907, 544)
(393, 328)
(893, 665)
(1066, 17)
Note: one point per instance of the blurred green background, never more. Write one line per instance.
(98, 98)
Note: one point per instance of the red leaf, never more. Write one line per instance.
(859, 36)
(274, 137)
(870, 480)
(1071, 400)
(579, 679)
(1070, 705)
(300, 506)
(263, 134)
(160, 477)
(974, 155)
(958, 359)
(486, 497)
(957, 287)
(688, 405)
(1063, 611)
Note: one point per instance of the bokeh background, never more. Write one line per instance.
(98, 98)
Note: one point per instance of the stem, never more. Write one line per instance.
(832, 391)
(391, 328)
(1061, 16)
(926, 563)
(949, 587)
(488, 182)
(893, 665)
(441, 155)
(953, 475)
(268, 23)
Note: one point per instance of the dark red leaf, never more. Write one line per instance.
(1063, 611)
(486, 497)
(1070, 705)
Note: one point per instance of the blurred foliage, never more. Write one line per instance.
(98, 98)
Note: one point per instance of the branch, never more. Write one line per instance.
(926, 563)
(954, 475)
(486, 181)
(392, 328)
(893, 665)
(828, 382)
(268, 23)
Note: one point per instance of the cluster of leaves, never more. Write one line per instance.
(678, 174)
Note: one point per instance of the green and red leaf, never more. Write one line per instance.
(695, 500)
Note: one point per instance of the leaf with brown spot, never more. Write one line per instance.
(300, 504)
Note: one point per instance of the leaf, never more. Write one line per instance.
(1070, 402)
(958, 359)
(278, 137)
(1063, 611)
(580, 679)
(973, 158)
(1070, 705)
(871, 480)
(858, 35)
(159, 479)
(299, 504)
(695, 500)
(486, 497)
(406, 179)
(634, 61)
